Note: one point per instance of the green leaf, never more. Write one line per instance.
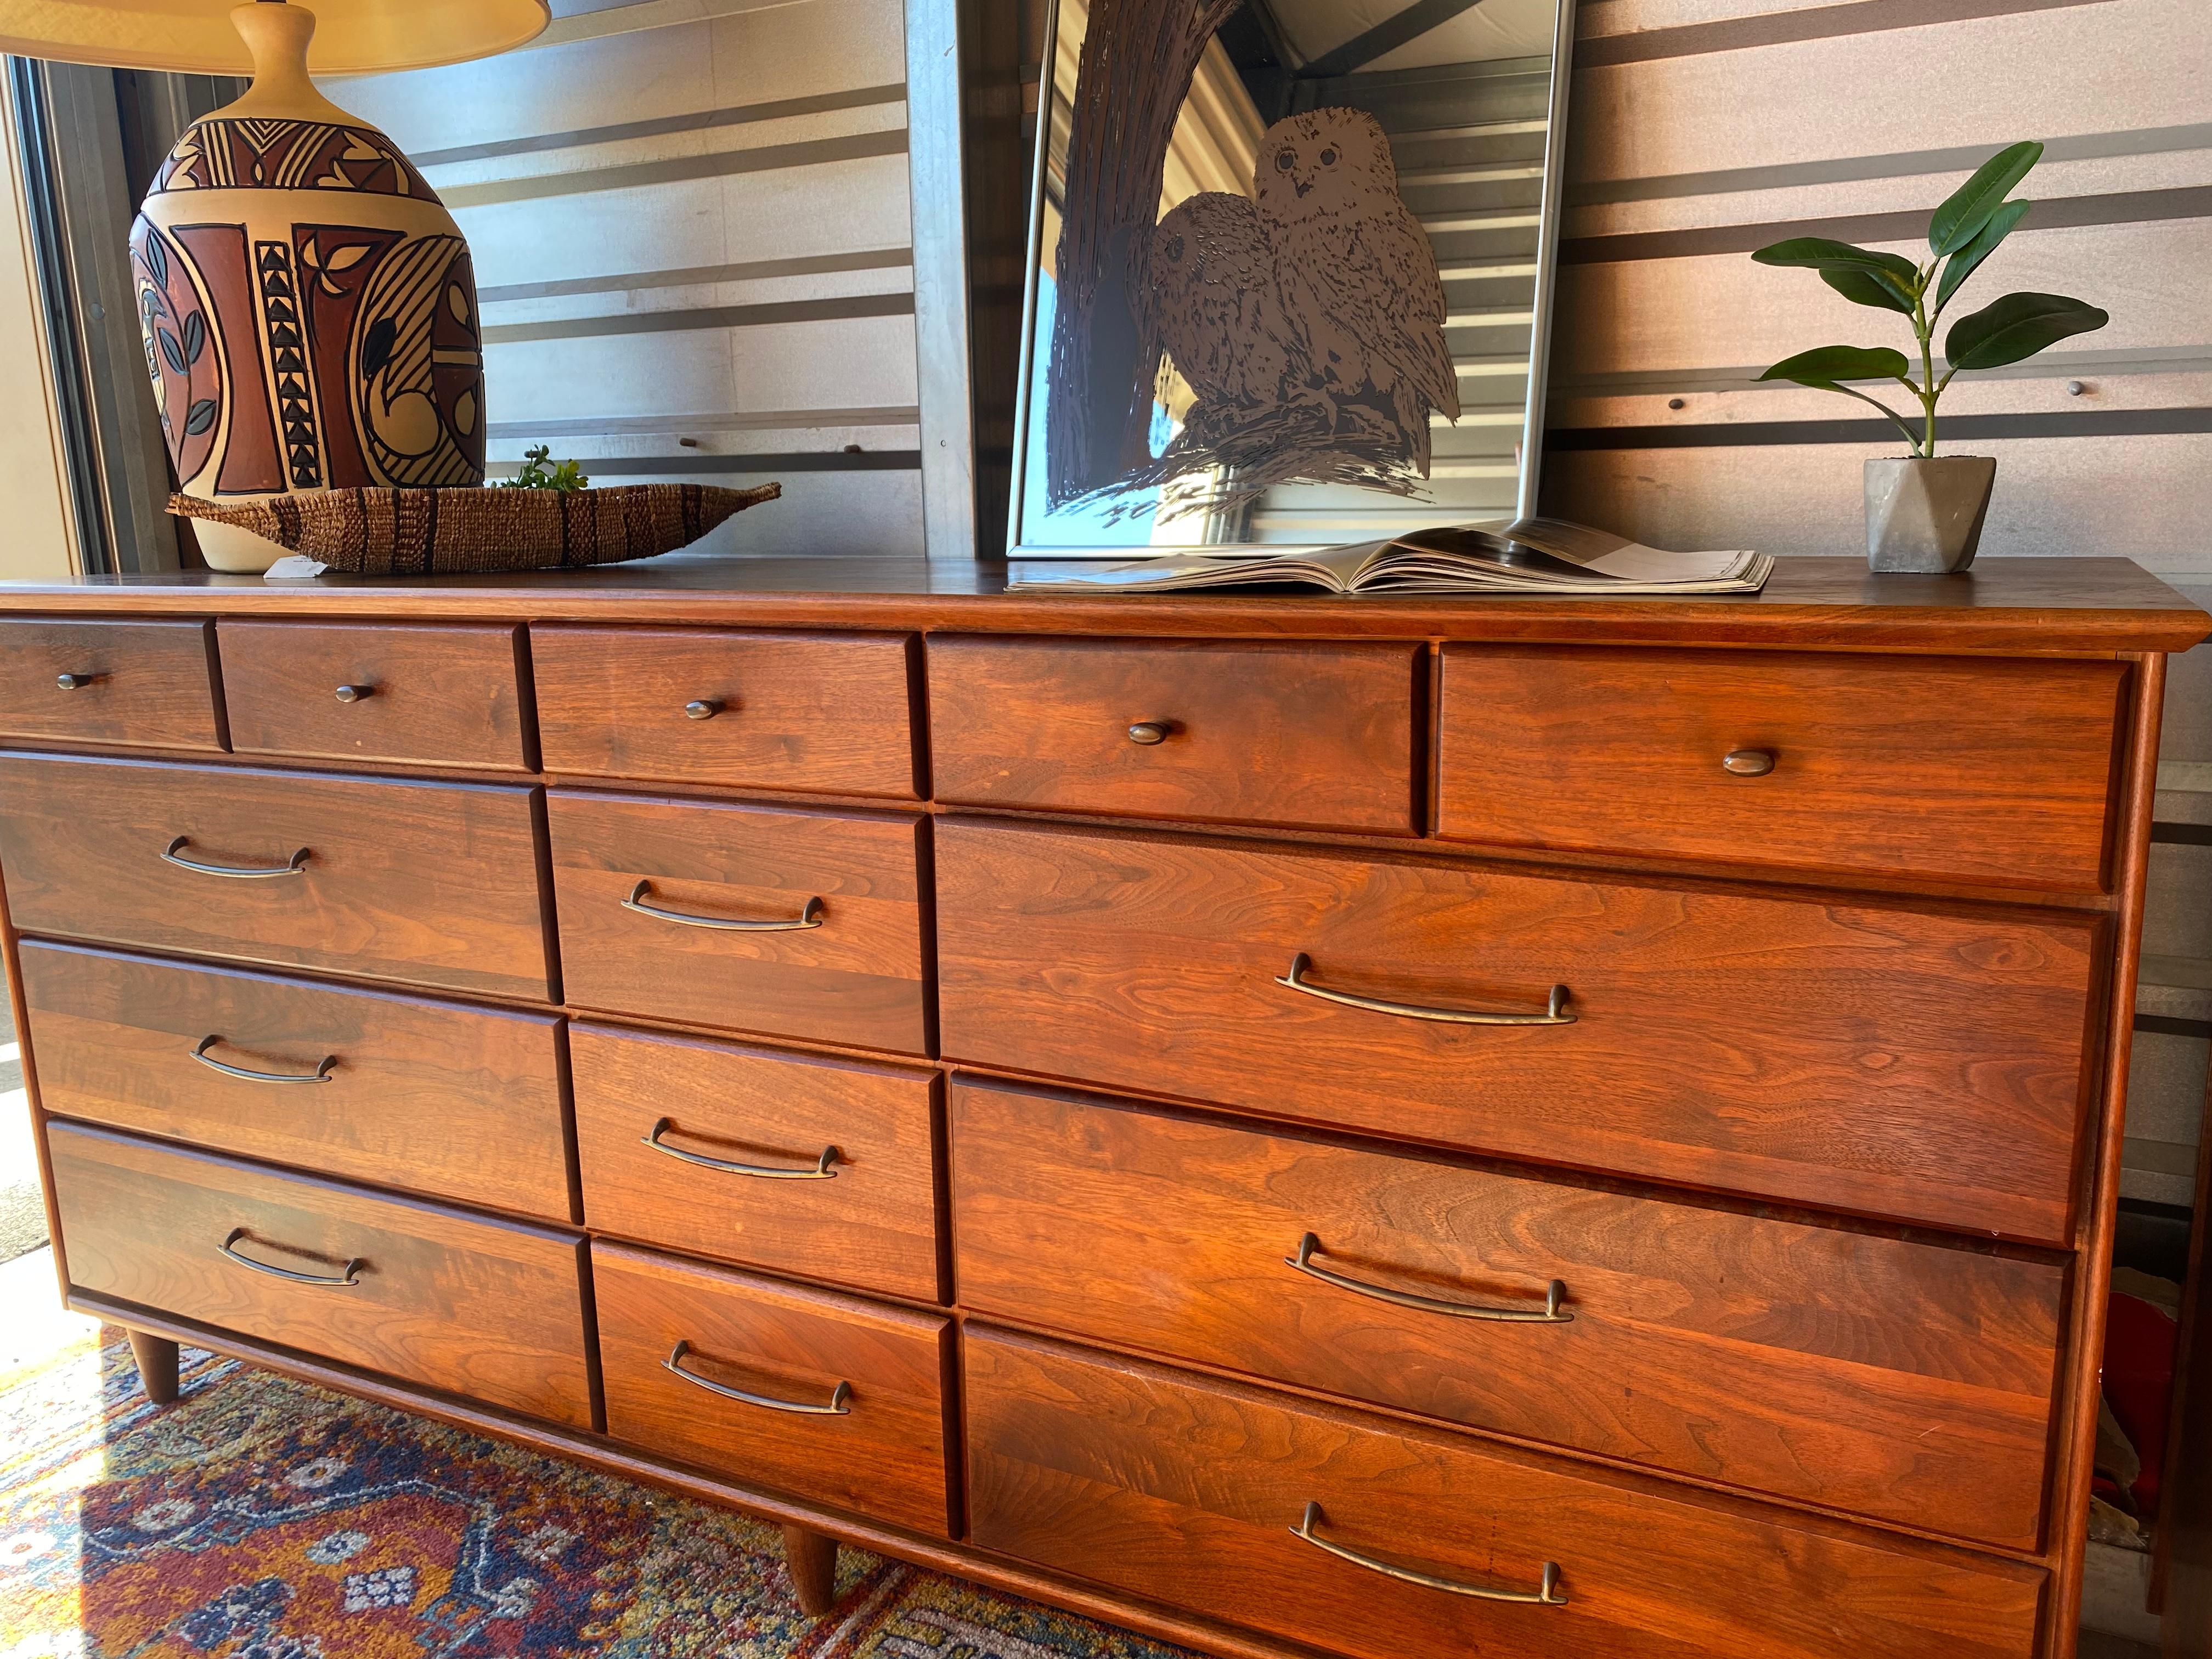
(1869, 287)
(1998, 225)
(1820, 253)
(1824, 366)
(2018, 326)
(1971, 204)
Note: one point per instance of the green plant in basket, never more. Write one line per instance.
(540, 472)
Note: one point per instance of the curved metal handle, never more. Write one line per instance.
(703, 709)
(837, 1407)
(1748, 763)
(1552, 1314)
(1151, 732)
(1549, 1596)
(354, 693)
(73, 682)
(821, 1171)
(810, 916)
(343, 1279)
(1554, 1013)
(291, 866)
(321, 1074)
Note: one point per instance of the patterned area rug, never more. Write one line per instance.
(260, 1518)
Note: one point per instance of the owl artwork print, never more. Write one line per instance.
(1306, 319)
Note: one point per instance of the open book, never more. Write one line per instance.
(1530, 556)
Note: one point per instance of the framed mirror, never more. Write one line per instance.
(1290, 264)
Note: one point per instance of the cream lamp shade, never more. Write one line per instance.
(352, 36)
(308, 304)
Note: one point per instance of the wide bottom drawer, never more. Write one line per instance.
(825, 1397)
(1372, 1539)
(490, 1309)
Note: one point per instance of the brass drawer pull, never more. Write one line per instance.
(292, 867)
(821, 1171)
(1748, 763)
(343, 1279)
(703, 709)
(1554, 1013)
(321, 1074)
(810, 916)
(354, 693)
(837, 1407)
(73, 682)
(1149, 733)
(1550, 1314)
(1550, 1596)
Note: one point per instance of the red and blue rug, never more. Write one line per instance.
(260, 1518)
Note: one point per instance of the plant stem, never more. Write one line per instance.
(1929, 391)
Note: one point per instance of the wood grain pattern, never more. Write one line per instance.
(436, 695)
(2004, 607)
(1314, 737)
(884, 1456)
(1924, 1064)
(454, 1102)
(489, 1310)
(435, 883)
(1185, 1491)
(826, 713)
(810, 1559)
(1897, 1380)
(871, 1225)
(1939, 769)
(151, 683)
(856, 979)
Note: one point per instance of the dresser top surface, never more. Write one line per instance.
(2025, 606)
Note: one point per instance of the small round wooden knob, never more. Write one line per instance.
(1748, 763)
(1150, 731)
(703, 709)
(353, 693)
(74, 682)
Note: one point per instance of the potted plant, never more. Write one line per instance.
(1924, 511)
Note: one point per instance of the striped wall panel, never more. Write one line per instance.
(690, 225)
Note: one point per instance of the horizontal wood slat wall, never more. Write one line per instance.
(692, 250)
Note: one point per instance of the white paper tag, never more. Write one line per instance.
(296, 567)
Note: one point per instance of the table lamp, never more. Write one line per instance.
(308, 305)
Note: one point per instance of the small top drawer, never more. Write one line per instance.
(441, 696)
(149, 683)
(823, 713)
(1949, 769)
(1313, 737)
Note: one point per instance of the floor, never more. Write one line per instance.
(22, 1212)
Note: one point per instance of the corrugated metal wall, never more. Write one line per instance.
(691, 227)
(1699, 129)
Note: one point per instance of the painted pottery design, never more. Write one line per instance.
(309, 310)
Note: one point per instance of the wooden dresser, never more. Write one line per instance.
(1302, 1126)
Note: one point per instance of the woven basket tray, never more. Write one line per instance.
(443, 533)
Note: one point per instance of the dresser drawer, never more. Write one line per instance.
(1317, 737)
(151, 683)
(1954, 770)
(753, 918)
(826, 1397)
(440, 696)
(825, 713)
(1924, 1064)
(1194, 1493)
(788, 1162)
(1900, 1380)
(429, 882)
(458, 1102)
(460, 1304)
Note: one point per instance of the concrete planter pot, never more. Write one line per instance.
(1923, 514)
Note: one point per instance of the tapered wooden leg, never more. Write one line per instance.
(810, 1558)
(157, 1366)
